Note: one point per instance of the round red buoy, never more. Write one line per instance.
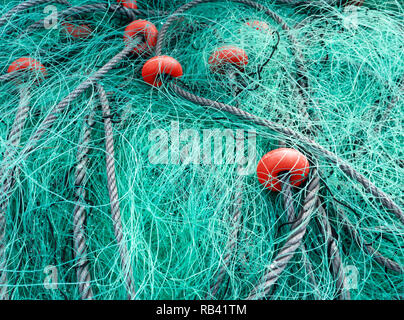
(282, 160)
(77, 31)
(130, 4)
(228, 55)
(26, 63)
(160, 65)
(258, 25)
(145, 29)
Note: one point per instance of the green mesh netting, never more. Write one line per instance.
(176, 216)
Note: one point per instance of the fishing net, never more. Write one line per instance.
(129, 190)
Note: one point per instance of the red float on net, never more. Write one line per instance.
(282, 160)
(26, 63)
(145, 29)
(77, 31)
(228, 55)
(158, 66)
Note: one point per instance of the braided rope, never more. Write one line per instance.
(291, 215)
(45, 126)
(385, 200)
(113, 194)
(79, 214)
(7, 175)
(294, 241)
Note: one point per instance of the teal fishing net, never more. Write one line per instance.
(185, 216)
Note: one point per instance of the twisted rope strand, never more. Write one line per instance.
(11, 76)
(79, 213)
(294, 241)
(113, 195)
(291, 215)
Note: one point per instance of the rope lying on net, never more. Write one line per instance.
(333, 253)
(113, 194)
(385, 262)
(83, 274)
(295, 48)
(11, 76)
(290, 246)
(79, 213)
(288, 133)
(310, 203)
(82, 157)
(231, 245)
(31, 144)
(345, 167)
(294, 241)
(59, 108)
(291, 215)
